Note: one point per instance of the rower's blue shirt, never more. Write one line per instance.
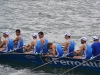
(59, 51)
(87, 52)
(45, 49)
(9, 46)
(42, 49)
(96, 50)
(36, 48)
(19, 46)
(71, 48)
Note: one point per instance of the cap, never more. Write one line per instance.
(67, 34)
(95, 38)
(84, 38)
(34, 34)
(6, 32)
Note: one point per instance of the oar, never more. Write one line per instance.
(50, 61)
(79, 65)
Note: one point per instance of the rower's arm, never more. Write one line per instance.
(65, 46)
(80, 49)
(16, 39)
(30, 46)
(53, 50)
(4, 42)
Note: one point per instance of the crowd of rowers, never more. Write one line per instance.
(41, 45)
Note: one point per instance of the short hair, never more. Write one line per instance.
(18, 30)
(41, 33)
(49, 44)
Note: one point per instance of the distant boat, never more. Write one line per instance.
(39, 59)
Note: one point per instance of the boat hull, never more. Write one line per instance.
(61, 62)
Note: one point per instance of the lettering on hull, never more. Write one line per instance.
(75, 62)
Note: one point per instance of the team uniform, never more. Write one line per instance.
(59, 51)
(70, 49)
(19, 46)
(8, 46)
(96, 50)
(87, 54)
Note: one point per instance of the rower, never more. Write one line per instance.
(68, 46)
(33, 45)
(7, 44)
(96, 47)
(56, 50)
(42, 43)
(18, 42)
(85, 48)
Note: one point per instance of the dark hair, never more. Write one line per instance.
(41, 33)
(48, 45)
(18, 30)
(68, 36)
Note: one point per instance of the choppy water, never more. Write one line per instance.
(54, 18)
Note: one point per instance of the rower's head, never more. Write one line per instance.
(95, 38)
(41, 34)
(49, 45)
(83, 40)
(18, 32)
(67, 36)
(34, 35)
(5, 34)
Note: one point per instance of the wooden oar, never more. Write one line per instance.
(79, 65)
(51, 61)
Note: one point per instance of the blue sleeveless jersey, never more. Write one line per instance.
(45, 49)
(88, 52)
(19, 45)
(42, 49)
(59, 51)
(71, 49)
(96, 50)
(9, 46)
(37, 47)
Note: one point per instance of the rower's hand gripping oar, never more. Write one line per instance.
(79, 64)
(51, 61)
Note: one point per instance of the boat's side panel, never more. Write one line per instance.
(66, 62)
(62, 62)
(22, 58)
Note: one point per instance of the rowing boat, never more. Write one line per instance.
(40, 59)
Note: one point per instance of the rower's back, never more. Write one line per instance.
(70, 48)
(96, 50)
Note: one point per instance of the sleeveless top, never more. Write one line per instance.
(96, 50)
(19, 45)
(9, 45)
(42, 49)
(59, 51)
(36, 47)
(70, 48)
(87, 52)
